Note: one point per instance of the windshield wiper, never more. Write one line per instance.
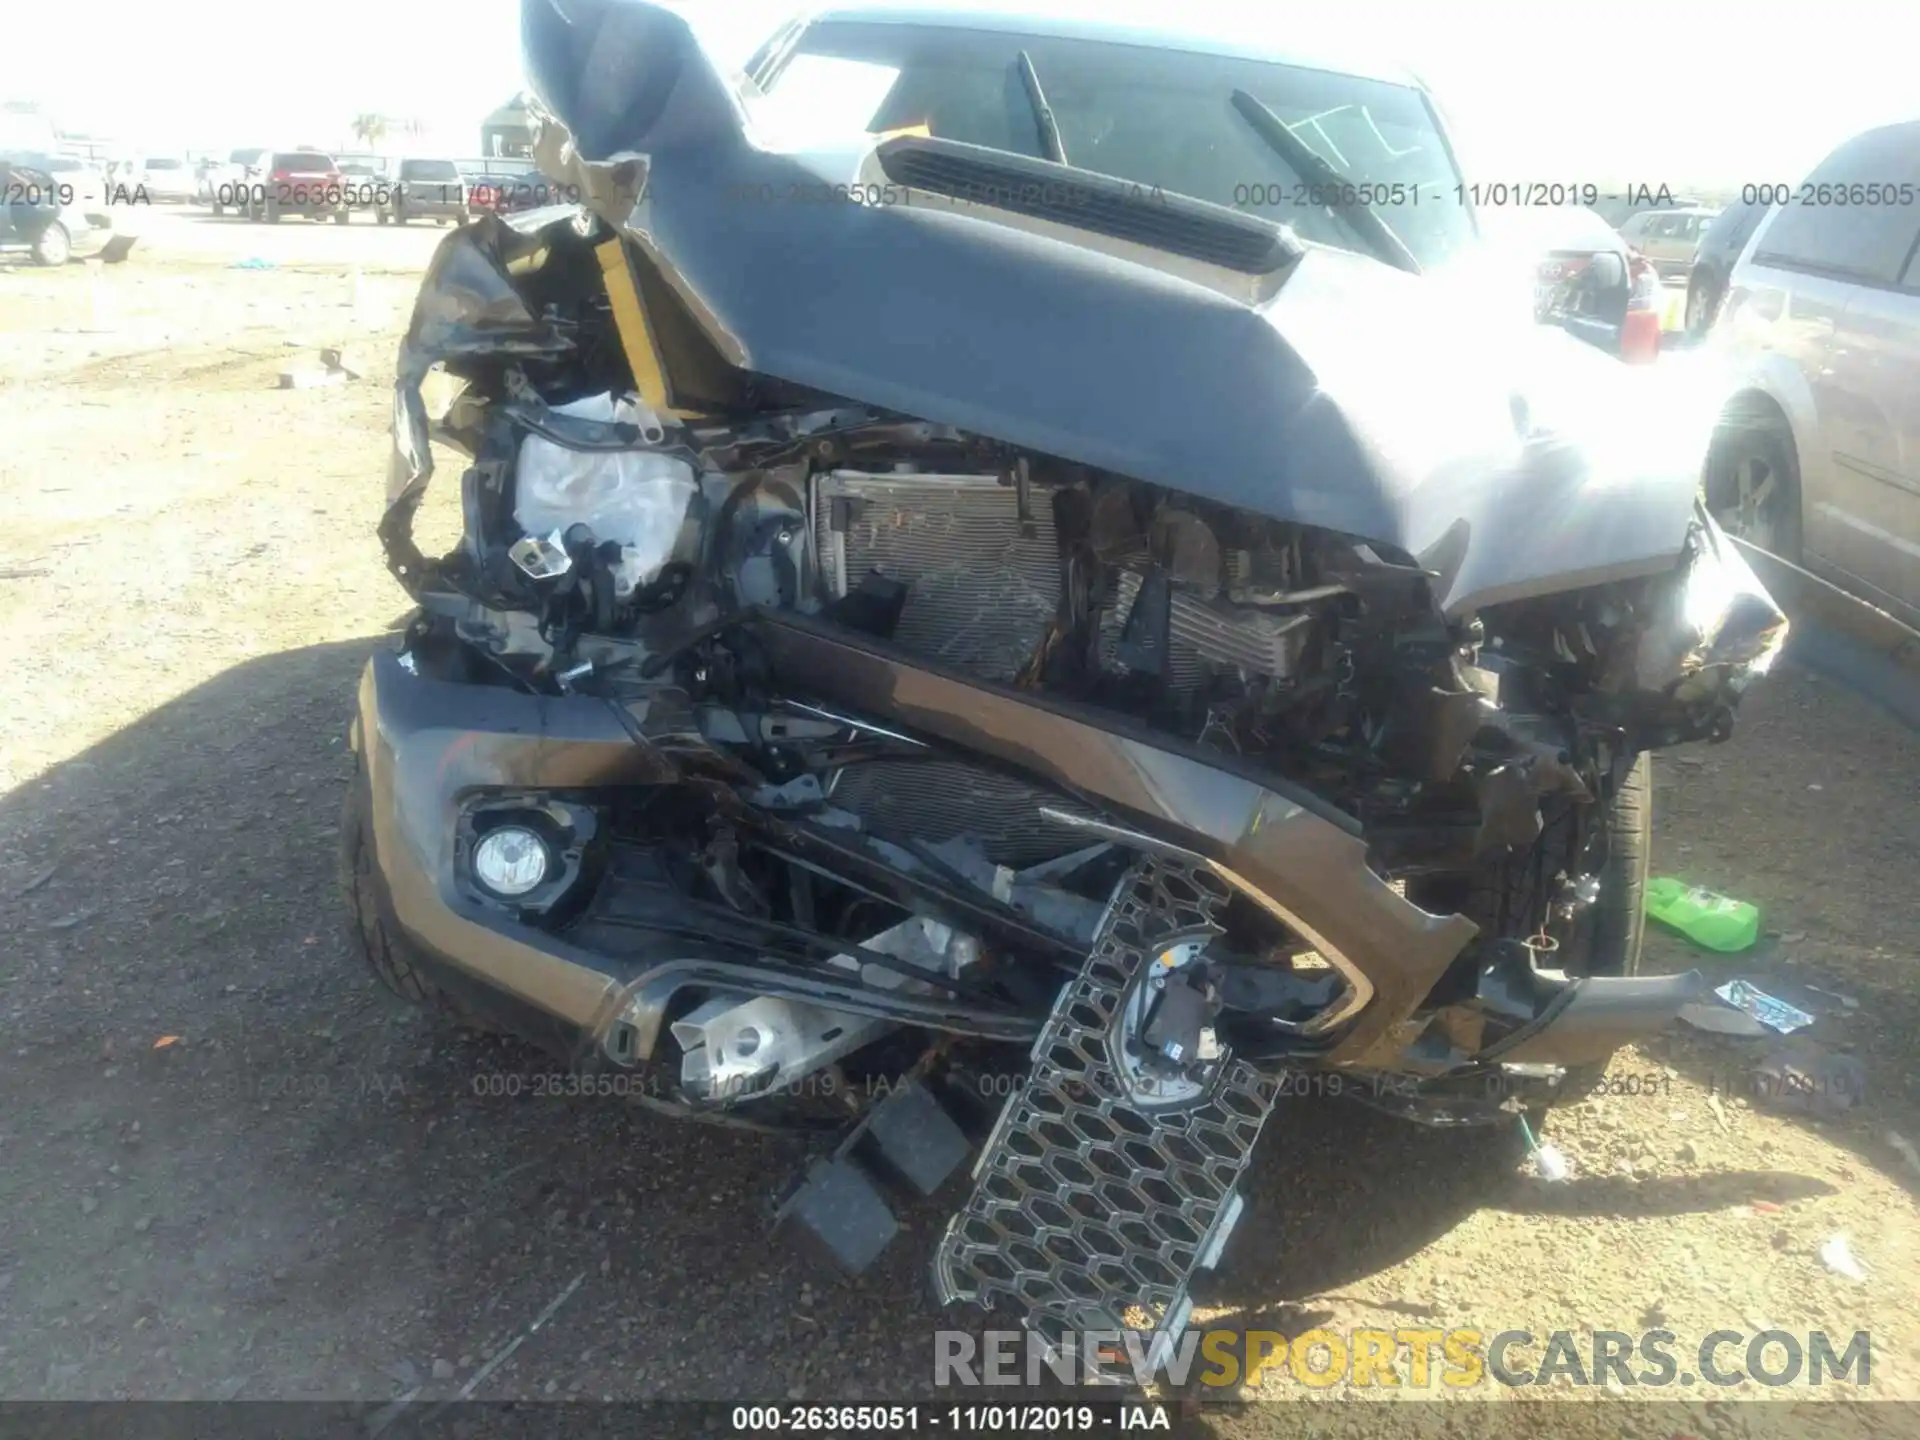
(1311, 168)
(1050, 141)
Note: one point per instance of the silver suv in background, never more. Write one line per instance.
(1817, 457)
(426, 190)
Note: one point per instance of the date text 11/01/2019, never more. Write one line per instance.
(1045, 1419)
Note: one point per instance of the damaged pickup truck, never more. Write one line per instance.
(972, 651)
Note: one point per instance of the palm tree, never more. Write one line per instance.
(370, 130)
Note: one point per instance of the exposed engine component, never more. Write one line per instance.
(983, 579)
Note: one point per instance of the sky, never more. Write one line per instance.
(1607, 91)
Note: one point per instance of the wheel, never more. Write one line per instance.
(464, 216)
(380, 216)
(340, 217)
(400, 216)
(273, 212)
(218, 208)
(54, 247)
(1752, 482)
(1614, 930)
(391, 957)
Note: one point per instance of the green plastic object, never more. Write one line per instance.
(1718, 922)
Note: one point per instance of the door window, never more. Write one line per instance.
(1834, 224)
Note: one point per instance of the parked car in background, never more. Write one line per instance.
(499, 185)
(425, 190)
(1668, 237)
(1588, 281)
(365, 179)
(298, 182)
(1817, 457)
(1720, 246)
(229, 186)
(166, 179)
(51, 206)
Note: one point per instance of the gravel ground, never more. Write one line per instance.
(229, 1166)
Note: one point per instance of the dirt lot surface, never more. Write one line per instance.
(229, 1166)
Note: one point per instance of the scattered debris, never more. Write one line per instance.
(67, 922)
(1804, 1077)
(165, 1040)
(45, 875)
(1717, 922)
(253, 262)
(346, 365)
(1847, 1000)
(26, 572)
(1905, 1146)
(1720, 1019)
(1719, 1114)
(1773, 1013)
(405, 1373)
(1548, 1163)
(1837, 1257)
(443, 1369)
(307, 379)
(474, 1381)
(387, 1414)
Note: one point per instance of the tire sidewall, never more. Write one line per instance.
(1738, 439)
(56, 253)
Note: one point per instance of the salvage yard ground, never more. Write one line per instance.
(229, 1166)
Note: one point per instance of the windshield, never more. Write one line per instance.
(304, 161)
(1157, 117)
(429, 170)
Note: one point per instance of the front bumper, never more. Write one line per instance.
(433, 747)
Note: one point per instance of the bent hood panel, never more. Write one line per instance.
(1358, 398)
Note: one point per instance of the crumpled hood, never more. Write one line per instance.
(1356, 398)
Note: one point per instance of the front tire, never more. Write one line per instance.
(54, 247)
(1752, 482)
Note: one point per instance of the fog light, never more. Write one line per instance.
(510, 860)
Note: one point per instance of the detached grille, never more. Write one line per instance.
(1086, 201)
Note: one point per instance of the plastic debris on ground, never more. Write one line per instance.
(1714, 921)
(1838, 1257)
(253, 262)
(1905, 1148)
(1809, 1079)
(1774, 1013)
(1548, 1163)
